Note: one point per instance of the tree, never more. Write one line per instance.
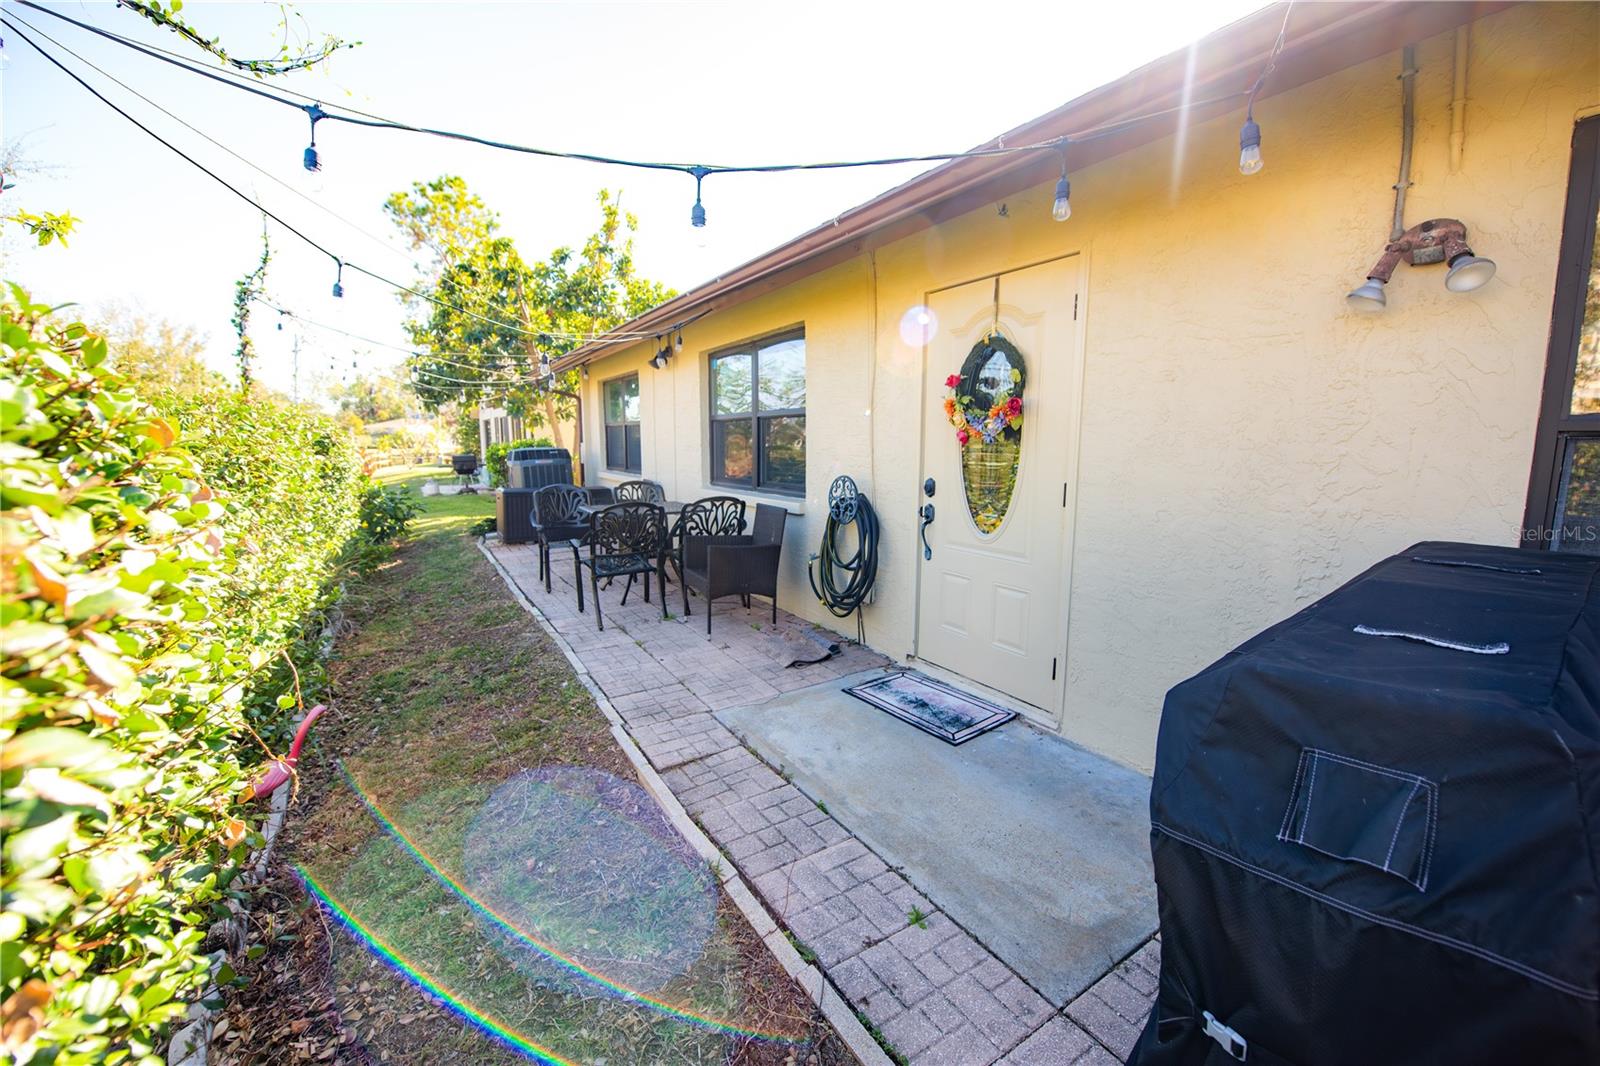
(157, 355)
(373, 399)
(495, 313)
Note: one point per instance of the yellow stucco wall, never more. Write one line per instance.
(1247, 442)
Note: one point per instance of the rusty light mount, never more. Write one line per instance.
(1438, 240)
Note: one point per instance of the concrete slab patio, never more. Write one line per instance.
(1039, 848)
(934, 990)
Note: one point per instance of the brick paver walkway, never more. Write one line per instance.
(936, 994)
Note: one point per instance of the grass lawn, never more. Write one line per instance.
(520, 840)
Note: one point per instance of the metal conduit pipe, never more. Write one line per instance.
(1458, 99)
(1408, 122)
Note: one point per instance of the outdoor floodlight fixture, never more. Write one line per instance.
(1250, 161)
(1438, 240)
(663, 353)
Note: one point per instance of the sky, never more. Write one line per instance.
(749, 81)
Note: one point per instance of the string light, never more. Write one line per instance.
(1250, 145)
(697, 214)
(1249, 134)
(1250, 161)
(338, 280)
(678, 344)
(312, 162)
(1061, 207)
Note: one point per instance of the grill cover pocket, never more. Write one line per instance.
(1355, 810)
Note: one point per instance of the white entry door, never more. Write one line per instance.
(991, 604)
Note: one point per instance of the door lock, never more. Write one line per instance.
(927, 488)
(926, 511)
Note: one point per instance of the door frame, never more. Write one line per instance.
(1055, 720)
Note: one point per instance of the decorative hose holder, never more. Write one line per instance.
(843, 583)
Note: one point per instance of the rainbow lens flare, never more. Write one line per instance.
(510, 930)
(484, 1023)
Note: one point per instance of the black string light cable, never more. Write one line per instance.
(339, 263)
(203, 135)
(168, 144)
(316, 112)
(303, 320)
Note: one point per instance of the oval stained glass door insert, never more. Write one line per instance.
(989, 401)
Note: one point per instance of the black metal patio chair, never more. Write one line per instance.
(560, 518)
(600, 495)
(626, 539)
(643, 490)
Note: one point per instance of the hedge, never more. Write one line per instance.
(150, 582)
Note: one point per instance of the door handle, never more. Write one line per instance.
(926, 511)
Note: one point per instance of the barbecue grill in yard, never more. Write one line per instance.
(465, 466)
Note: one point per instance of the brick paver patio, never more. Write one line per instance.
(934, 992)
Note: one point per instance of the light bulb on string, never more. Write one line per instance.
(697, 214)
(311, 160)
(338, 280)
(678, 344)
(1061, 206)
(1250, 161)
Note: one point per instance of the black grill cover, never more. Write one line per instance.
(1370, 848)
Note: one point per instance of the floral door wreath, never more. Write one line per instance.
(984, 401)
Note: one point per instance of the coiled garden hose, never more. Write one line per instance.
(846, 508)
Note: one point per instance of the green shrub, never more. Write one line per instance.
(496, 459)
(147, 588)
(385, 512)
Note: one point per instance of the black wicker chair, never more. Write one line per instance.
(626, 539)
(645, 491)
(714, 516)
(732, 564)
(559, 518)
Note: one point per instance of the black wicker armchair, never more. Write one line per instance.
(718, 565)
(626, 539)
(714, 516)
(560, 518)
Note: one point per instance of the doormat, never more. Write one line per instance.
(932, 706)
